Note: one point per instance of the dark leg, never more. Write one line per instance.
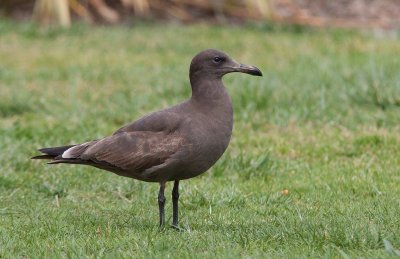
(175, 197)
(161, 203)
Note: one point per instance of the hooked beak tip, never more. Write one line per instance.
(251, 70)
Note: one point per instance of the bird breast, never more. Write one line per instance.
(211, 133)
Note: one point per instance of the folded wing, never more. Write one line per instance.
(126, 151)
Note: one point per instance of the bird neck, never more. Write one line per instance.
(208, 90)
(212, 97)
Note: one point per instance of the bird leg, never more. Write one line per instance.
(175, 197)
(161, 204)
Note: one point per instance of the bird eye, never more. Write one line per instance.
(217, 59)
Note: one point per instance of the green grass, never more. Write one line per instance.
(322, 123)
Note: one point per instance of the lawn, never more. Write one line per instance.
(313, 168)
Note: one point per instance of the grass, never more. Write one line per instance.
(323, 124)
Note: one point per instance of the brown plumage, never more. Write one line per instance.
(177, 143)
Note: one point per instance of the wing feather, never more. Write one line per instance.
(134, 151)
(166, 121)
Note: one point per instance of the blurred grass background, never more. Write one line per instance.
(312, 169)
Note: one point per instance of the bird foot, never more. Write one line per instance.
(176, 227)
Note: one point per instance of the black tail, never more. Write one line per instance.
(52, 152)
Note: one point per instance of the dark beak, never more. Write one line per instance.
(248, 70)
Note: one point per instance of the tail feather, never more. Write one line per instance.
(67, 161)
(55, 151)
(52, 152)
(43, 157)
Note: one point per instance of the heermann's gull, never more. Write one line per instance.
(174, 144)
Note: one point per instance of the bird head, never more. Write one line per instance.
(212, 63)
